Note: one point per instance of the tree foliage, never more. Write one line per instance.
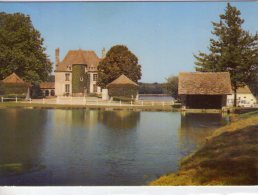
(119, 60)
(234, 50)
(172, 86)
(21, 49)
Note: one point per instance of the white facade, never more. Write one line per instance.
(246, 99)
(63, 85)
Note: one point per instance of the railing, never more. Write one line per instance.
(16, 99)
(92, 101)
(99, 102)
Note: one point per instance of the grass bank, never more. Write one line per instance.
(104, 107)
(230, 157)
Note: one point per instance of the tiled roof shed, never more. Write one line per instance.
(13, 78)
(204, 83)
(124, 80)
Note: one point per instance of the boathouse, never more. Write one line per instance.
(123, 87)
(204, 90)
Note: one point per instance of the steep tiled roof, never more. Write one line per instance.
(47, 85)
(204, 83)
(78, 57)
(13, 78)
(122, 80)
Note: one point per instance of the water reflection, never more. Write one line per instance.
(122, 119)
(96, 147)
(21, 138)
(195, 127)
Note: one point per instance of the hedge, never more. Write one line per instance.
(13, 88)
(122, 90)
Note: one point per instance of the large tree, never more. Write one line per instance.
(233, 49)
(21, 49)
(119, 60)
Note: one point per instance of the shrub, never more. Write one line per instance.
(13, 88)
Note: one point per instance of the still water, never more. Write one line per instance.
(95, 147)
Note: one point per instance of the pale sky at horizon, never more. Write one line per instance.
(163, 35)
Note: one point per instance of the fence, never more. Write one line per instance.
(16, 99)
(92, 101)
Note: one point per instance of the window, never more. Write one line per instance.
(67, 76)
(69, 67)
(95, 77)
(94, 88)
(67, 88)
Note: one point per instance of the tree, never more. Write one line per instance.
(21, 49)
(234, 50)
(119, 60)
(172, 86)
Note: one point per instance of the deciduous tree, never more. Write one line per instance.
(21, 49)
(119, 60)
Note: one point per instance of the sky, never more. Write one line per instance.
(163, 35)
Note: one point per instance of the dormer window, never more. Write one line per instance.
(69, 67)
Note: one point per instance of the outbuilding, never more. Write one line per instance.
(204, 90)
(123, 87)
(14, 85)
(245, 98)
(47, 88)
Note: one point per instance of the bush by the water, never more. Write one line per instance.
(123, 99)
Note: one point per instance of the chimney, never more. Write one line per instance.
(103, 53)
(57, 56)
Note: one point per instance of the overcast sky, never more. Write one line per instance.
(162, 35)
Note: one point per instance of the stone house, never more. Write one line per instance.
(77, 74)
(204, 90)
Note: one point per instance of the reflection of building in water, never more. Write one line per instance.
(195, 127)
(74, 118)
(121, 119)
(23, 136)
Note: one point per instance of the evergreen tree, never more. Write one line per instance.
(234, 50)
(119, 60)
(21, 49)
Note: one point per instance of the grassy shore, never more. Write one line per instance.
(105, 107)
(230, 157)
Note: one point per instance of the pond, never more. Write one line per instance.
(96, 147)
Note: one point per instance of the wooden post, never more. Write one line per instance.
(131, 103)
(152, 103)
(16, 100)
(142, 103)
(120, 103)
(2, 99)
(163, 104)
(43, 100)
(30, 100)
